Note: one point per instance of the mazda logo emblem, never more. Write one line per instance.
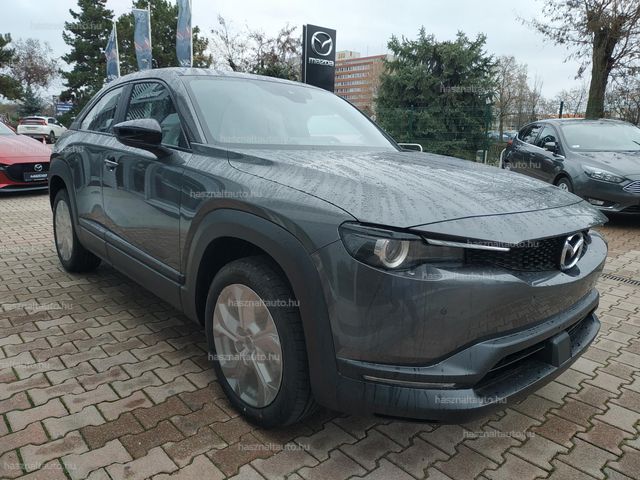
(322, 44)
(571, 251)
(38, 167)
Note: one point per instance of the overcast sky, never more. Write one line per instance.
(362, 25)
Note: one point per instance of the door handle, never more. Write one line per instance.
(111, 163)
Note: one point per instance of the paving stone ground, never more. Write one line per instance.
(100, 379)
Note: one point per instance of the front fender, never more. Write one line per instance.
(301, 273)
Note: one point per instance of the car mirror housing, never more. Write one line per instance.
(551, 147)
(144, 133)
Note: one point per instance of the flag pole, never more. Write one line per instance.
(115, 36)
(191, 30)
(150, 45)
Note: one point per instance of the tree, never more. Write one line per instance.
(437, 93)
(512, 88)
(231, 48)
(605, 33)
(253, 51)
(33, 64)
(575, 100)
(87, 36)
(164, 18)
(623, 101)
(277, 56)
(31, 104)
(9, 87)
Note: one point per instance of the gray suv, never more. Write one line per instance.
(326, 265)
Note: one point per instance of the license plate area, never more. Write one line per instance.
(35, 176)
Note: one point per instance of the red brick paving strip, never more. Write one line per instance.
(119, 385)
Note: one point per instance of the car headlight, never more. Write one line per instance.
(393, 250)
(602, 175)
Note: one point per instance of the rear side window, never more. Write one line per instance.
(152, 100)
(529, 134)
(100, 117)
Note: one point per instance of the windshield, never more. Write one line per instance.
(251, 112)
(602, 136)
(4, 130)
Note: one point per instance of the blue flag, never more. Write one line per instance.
(184, 41)
(113, 59)
(142, 38)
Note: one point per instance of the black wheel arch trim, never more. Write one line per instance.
(296, 263)
(59, 168)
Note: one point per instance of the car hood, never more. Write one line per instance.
(20, 147)
(622, 163)
(402, 189)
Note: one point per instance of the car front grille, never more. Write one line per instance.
(17, 170)
(536, 256)
(633, 187)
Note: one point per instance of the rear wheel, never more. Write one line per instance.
(255, 337)
(52, 137)
(73, 256)
(563, 183)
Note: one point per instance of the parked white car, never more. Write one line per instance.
(41, 127)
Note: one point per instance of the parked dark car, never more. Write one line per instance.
(326, 265)
(598, 160)
(24, 162)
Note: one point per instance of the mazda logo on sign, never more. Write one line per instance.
(322, 44)
(37, 167)
(571, 251)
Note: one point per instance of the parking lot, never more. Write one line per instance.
(101, 379)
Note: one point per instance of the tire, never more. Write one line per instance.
(564, 183)
(72, 255)
(292, 400)
(52, 137)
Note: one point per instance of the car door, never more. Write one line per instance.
(546, 164)
(519, 159)
(85, 152)
(141, 190)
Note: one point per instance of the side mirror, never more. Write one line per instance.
(144, 133)
(551, 147)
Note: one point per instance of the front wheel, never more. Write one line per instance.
(52, 137)
(563, 183)
(256, 342)
(72, 255)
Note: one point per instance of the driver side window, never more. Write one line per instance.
(152, 100)
(547, 135)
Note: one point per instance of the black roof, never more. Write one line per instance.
(170, 74)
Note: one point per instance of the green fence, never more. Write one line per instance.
(472, 133)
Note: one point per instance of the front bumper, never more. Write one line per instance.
(446, 345)
(613, 195)
(481, 378)
(10, 184)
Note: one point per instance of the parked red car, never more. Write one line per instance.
(24, 162)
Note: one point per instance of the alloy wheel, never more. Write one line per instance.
(63, 230)
(247, 345)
